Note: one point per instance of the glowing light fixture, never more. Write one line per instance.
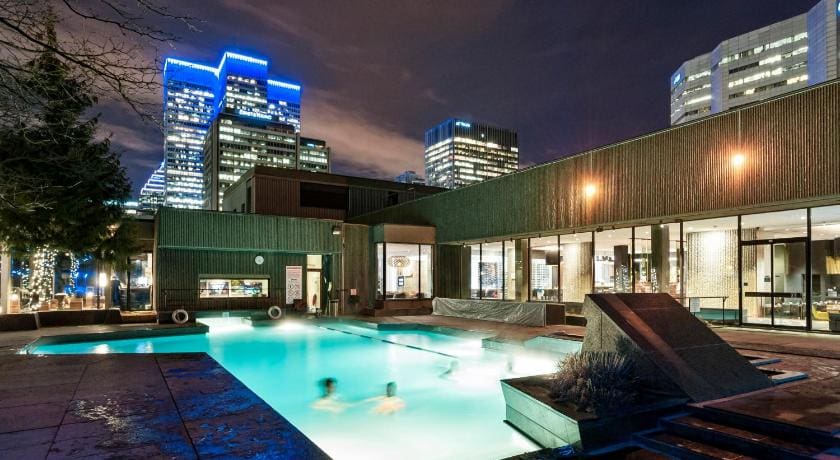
(590, 190)
(738, 160)
(103, 280)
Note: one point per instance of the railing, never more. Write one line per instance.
(694, 306)
(205, 300)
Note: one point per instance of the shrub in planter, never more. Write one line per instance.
(597, 382)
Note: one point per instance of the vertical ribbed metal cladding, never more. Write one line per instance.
(791, 146)
(180, 228)
(357, 252)
(180, 269)
(281, 196)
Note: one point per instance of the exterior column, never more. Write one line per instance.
(5, 280)
(660, 257)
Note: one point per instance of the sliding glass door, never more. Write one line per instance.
(774, 282)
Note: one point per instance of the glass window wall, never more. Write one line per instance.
(475, 277)
(612, 261)
(516, 281)
(773, 268)
(575, 268)
(426, 274)
(213, 288)
(711, 268)
(491, 269)
(825, 267)
(657, 260)
(407, 270)
(380, 270)
(545, 269)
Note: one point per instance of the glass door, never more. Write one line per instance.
(313, 282)
(773, 275)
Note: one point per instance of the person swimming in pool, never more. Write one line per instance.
(329, 400)
(450, 372)
(390, 403)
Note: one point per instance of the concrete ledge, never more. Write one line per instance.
(79, 317)
(136, 333)
(18, 322)
(530, 409)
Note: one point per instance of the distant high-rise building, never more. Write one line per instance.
(461, 152)
(410, 177)
(196, 94)
(313, 155)
(236, 144)
(153, 193)
(757, 65)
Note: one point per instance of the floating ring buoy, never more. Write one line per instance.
(274, 312)
(180, 316)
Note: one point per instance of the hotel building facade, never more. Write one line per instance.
(196, 94)
(737, 216)
(758, 65)
(463, 152)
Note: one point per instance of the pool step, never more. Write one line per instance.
(706, 432)
(751, 442)
(681, 447)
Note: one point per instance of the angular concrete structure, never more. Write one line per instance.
(676, 353)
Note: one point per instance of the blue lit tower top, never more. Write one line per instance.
(194, 94)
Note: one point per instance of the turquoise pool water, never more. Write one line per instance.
(454, 416)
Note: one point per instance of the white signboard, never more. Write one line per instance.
(294, 283)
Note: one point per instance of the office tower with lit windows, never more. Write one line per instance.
(410, 177)
(462, 152)
(195, 95)
(782, 57)
(153, 192)
(235, 144)
(313, 155)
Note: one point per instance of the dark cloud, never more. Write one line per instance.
(568, 75)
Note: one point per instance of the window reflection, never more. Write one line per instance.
(612, 261)
(407, 269)
(711, 268)
(657, 259)
(575, 267)
(825, 267)
(490, 270)
(516, 284)
(545, 269)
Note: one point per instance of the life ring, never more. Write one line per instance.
(275, 312)
(180, 316)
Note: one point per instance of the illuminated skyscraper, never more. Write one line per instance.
(313, 155)
(196, 94)
(152, 194)
(757, 65)
(461, 152)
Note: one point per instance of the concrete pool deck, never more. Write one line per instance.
(187, 406)
(182, 405)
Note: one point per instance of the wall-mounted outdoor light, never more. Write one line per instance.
(336, 230)
(590, 190)
(738, 160)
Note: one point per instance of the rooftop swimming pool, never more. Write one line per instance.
(451, 411)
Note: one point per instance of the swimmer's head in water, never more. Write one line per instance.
(328, 386)
(391, 389)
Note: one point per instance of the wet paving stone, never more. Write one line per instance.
(170, 406)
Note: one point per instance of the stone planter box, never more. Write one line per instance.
(529, 408)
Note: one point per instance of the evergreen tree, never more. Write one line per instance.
(61, 187)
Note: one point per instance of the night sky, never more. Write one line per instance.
(567, 75)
